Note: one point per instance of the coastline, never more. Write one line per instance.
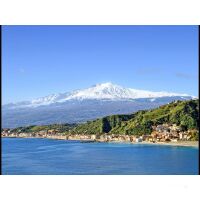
(178, 143)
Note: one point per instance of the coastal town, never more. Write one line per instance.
(160, 133)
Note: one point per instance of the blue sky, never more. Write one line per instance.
(41, 60)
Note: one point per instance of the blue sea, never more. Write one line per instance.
(46, 156)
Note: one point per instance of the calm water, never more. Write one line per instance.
(45, 156)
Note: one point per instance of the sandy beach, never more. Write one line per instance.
(179, 143)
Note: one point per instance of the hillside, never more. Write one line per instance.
(181, 113)
(58, 127)
(84, 104)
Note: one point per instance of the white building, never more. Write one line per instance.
(138, 140)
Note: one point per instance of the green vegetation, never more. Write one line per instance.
(181, 113)
(194, 135)
(103, 125)
(58, 127)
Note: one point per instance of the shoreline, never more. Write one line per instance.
(179, 143)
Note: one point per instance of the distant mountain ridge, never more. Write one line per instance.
(104, 91)
(81, 105)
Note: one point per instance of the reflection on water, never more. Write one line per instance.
(45, 156)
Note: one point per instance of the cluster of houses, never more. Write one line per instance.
(167, 132)
(160, 133)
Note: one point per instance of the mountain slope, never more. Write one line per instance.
(82, 105)
(181, 113)
(104, 91)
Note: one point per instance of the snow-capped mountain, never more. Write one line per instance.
(104, 91)
(82, 105)
(115, 92)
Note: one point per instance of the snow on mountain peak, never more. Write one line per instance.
(100, 91)
(113, 91)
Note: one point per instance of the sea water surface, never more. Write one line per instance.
(47, 156)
